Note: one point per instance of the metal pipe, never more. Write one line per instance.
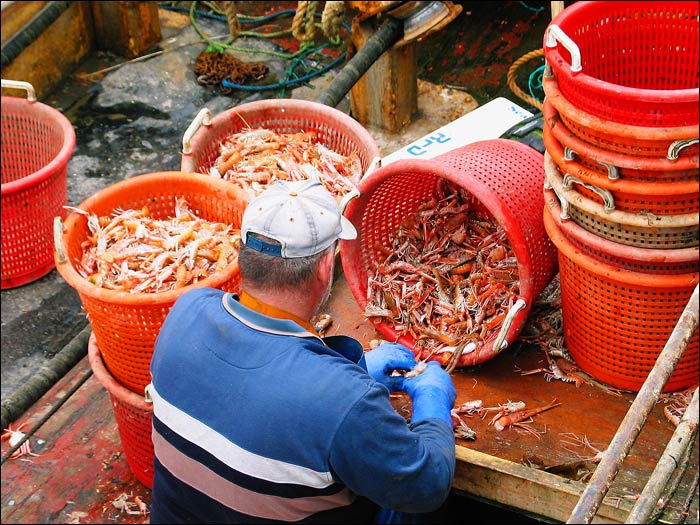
(636, 416)
(677, 446)
(385, 37)
(31, 31)
(27, 394)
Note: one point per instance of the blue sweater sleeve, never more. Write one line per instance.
(377, 456)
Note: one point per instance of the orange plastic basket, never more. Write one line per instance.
(335, 130)
(622, 138)
(505, 178)
(614, 254)
(629, 62)
(619, 165)
(37, 143)
(617, 322)
(126, 324)
(134, 417)
(632, 196)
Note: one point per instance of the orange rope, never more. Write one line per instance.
(510, 78)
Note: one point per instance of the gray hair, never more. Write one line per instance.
(267, 271)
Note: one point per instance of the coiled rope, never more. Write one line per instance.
(510, 77)
(303, 25)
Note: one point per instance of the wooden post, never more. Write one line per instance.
(556, 7)
(126, 28)
(386, 96)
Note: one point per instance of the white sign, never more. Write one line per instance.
(489, 121)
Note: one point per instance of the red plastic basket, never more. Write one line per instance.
(126, 324)
(335, 130)
(37, 143)
(505, 177)
(616, 321)
(629, 62)
(134, 417)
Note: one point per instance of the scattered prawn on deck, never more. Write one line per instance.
(676, 403)
(132, 251)
(136, 507)
(255, 158)
(517, 418)
(446, 277)
(15, 436)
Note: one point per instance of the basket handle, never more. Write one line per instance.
(563, 203)
(677, 145)
(500, 343)
(58, 239)
(606, 195)
(202, 118)
(554, 35)
(19, 84)
(352, 194)
(613, 172)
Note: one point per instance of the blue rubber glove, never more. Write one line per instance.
(386, 358)
(432, 394)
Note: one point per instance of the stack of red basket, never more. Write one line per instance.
(621, 185)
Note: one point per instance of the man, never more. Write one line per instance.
(257, 419)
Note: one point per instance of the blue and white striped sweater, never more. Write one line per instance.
(257, 419)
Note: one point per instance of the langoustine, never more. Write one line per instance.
(256, 158)
(129, 250)
(448, 277)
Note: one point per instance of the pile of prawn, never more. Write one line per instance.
(449, 277)
(131, 251)
(255, 158)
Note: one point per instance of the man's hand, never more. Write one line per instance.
(432, 392)
(386, 358)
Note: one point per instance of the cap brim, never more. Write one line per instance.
(348, 231)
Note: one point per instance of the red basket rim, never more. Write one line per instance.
(84, 287)
(609, 272)
(630, 253)
(281, 105)
(59, 161)
(112, 385)
(665, 96)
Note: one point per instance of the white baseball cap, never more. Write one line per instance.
(301, 215)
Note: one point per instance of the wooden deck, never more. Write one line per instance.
(81, 469)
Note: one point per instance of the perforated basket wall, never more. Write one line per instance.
(37, 143)
(505, 178)
(134, 417)
(639, 61)
(126, 324)
(616, 322)
(334, 129)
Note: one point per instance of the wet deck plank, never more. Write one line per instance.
(82, 469)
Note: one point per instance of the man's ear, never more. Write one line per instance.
(326, 266)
